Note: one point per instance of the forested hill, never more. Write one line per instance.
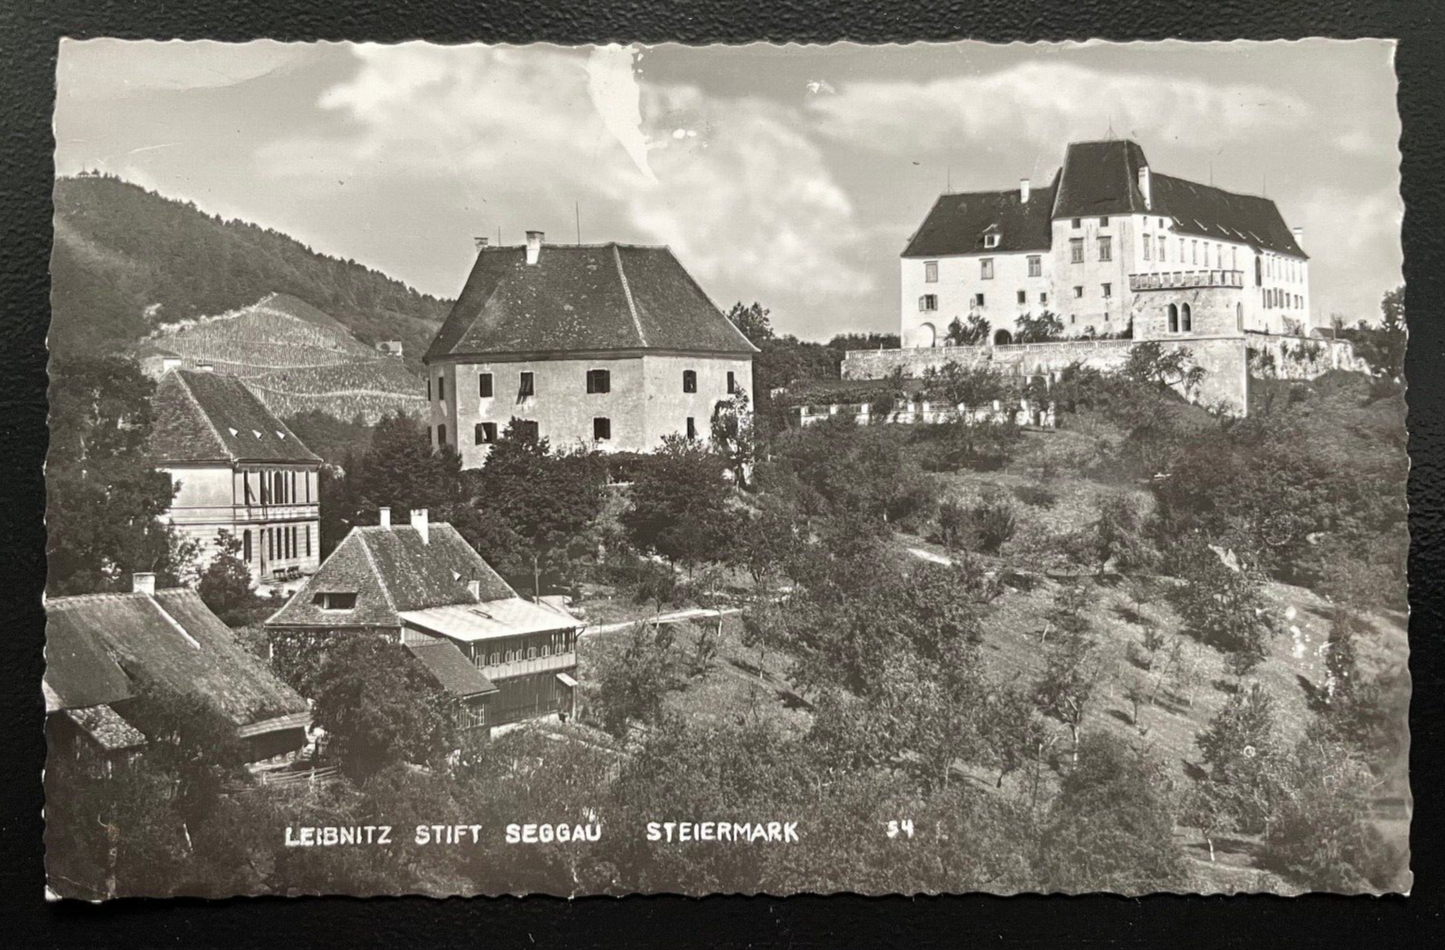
(127, 260)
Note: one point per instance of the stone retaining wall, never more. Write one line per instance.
(1224, 360)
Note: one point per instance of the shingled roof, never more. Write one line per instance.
(583, 297)
(451, 669)
(390, 570)
(1099, 179)
(206, 417)
(78, 670)
(168, 640)
(958, 223)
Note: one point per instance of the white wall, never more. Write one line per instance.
(645, 400)
(959, 278)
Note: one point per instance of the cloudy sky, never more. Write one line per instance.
(788, 175)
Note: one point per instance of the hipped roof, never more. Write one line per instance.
(583, 297)
(392, 570)
(1099, 179)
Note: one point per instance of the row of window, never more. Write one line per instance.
(929, 302)
(985, 268)
(1274, 297)
(281, 543)
(597, 381)
(485, 433)
(276, 488)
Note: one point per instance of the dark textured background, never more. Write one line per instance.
(29, 31)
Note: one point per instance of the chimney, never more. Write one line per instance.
(481, 241)
(1144, 187)
(143, 583)
(1299, 236)
(205, 368)
(534, 246)
(171, 362)
(384, 516)
(1024, 189)
(475, 589)
(419, 522)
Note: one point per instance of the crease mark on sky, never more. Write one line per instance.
(617, 97)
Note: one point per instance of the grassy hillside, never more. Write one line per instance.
(129, 261)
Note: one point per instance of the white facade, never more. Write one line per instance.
(645, 396)
(1084, 279)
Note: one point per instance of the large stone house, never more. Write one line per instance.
(238, 469)
(1106, 244)
(609, 346)
(505, 658)
(105, 654)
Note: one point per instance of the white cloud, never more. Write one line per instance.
(742, 195)
(1047, 103)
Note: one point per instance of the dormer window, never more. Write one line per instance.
(990, 240)
(335, 600)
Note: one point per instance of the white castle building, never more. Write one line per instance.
(1106, 243)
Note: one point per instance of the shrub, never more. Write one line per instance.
(994, 523)
(1036, 496)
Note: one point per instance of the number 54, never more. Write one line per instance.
(905, 827)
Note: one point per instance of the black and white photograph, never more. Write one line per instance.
(627, 469)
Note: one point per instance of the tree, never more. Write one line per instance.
(1151, 364)
(1072, 668)
(1045, 328)
(379, 706)
(1244, 762)
(732, 435)
(971, 333)
(1224, 603)
(753, 321)
(1112, 825)
(402, 471)
(225, 585)
(104, 500)
(538, 503)
(1120, 543)
(680, 506)
(1383, 346)
(633, 671)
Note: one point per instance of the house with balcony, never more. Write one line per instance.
(237, 469)
(504, 658)
(1111, 247)
(611, 347)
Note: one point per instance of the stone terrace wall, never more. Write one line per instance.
(1224, 360)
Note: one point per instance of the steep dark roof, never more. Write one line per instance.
(1099, 179)
(207, 417)
(958, 223)
(78, 670)
(1213, 212)
(583, 297)
(391, 570)
(451, 669)
(172, 641)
